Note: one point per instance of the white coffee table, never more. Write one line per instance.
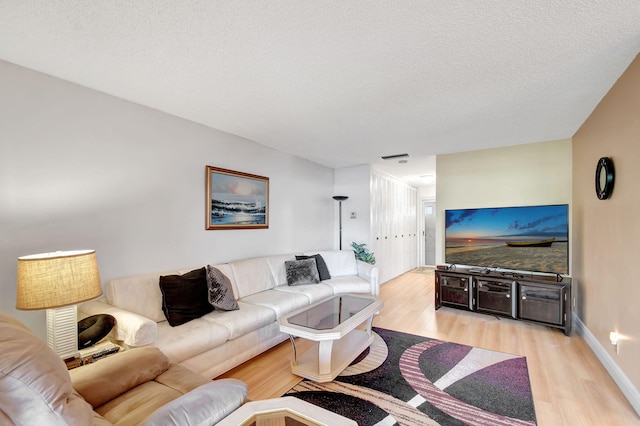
(332, 323)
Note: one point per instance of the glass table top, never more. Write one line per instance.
(330, 313)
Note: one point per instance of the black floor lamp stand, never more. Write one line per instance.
(340, 199)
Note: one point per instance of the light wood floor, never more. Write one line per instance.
(570, 386)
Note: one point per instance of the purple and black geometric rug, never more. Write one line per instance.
(403, 379)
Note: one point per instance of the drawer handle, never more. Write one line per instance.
(466, 289)
(508, 296)
(524, 297)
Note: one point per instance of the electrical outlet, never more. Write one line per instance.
(353, 215)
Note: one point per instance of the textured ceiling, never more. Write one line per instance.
(341, 82)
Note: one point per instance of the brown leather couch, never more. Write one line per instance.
(138, 386)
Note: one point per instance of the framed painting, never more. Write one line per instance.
(236, 200)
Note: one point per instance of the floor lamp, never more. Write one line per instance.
(340, 199)
(57, 282)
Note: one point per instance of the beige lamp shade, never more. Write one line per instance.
(62, 278)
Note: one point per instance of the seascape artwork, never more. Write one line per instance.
(520, 238)
(237, 200)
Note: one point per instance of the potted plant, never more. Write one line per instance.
(362, 253)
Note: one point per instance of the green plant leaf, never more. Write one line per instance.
(362, 253)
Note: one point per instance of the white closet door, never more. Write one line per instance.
(393, 225)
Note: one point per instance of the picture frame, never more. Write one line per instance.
(236, 200)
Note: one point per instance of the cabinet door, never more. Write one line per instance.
(496, 296)
(542, 303)
(454, 290)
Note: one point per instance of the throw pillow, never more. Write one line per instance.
(303, 271)
(323, 270)
(184, 297)
(220, 290)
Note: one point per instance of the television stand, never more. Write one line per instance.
(540, 298)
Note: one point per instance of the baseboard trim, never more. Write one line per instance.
(618, 376)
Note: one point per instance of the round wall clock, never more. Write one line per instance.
(604, 178)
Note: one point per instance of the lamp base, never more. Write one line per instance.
(62, 331)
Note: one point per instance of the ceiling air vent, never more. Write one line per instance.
(391, 157)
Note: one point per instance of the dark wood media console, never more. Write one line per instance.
(539, 298)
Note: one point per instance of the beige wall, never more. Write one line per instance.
(607, 233)
(604, 234)
(522, 175)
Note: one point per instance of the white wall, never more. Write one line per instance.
(385, 216)
(80, 169)
(523, 175)
(354, 182)
(427, 192)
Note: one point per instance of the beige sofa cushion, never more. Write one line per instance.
(281, 302)
(139, 294)
(137, 404)
(190, 339)
(243, 321)
(181, 379)
(277, 267)
(207, 405)
(252, 276)
(116, 375)
(177, 396)
(340, 263)
(348, 284)
(35, 388)
(313, 292)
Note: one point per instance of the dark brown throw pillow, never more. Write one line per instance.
(220, 290)
(302, 271)
(323, 270)
(184, 297)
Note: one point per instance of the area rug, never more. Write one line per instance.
(403, 379)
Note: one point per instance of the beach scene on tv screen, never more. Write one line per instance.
(531, 238)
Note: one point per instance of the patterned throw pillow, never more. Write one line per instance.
(302, 271)
(220, 291)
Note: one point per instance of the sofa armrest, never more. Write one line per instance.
(132, 329)
(102, 381)
(204, 405)
(371, 274)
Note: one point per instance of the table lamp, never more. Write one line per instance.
(57, 282)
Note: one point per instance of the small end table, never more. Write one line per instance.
(92, 354)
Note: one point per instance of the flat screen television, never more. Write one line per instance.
(530, 238)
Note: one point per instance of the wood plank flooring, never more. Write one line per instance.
(570, 386)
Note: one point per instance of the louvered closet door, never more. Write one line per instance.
(394, 226)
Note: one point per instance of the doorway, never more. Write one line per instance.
(429, 233)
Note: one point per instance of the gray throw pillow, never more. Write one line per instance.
(303, 271)
(220, 291)
(323, 270)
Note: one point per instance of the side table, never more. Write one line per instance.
(92, 354)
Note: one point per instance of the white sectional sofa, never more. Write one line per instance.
(221, 340)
